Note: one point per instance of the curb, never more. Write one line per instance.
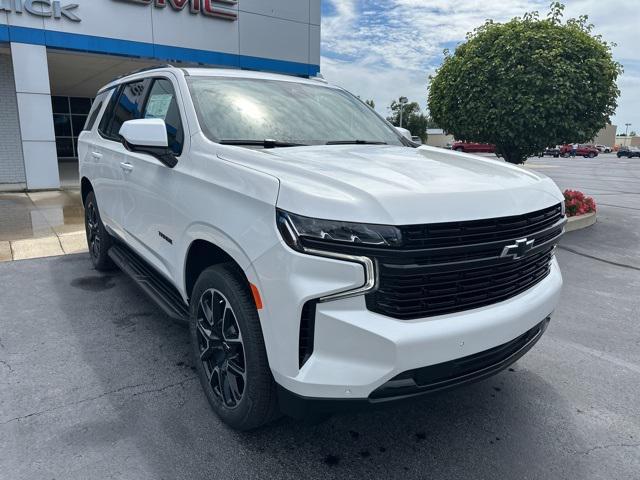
(580, 221)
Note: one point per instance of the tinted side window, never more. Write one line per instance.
(162, 104)
(125, 104)
(95, 110)
(127, 108)
(103, 127)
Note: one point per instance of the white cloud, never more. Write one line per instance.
(382, 49)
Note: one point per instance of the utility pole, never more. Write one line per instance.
(403, 101)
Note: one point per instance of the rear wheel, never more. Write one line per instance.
(228, 350)
(592, 155)
(98, 239)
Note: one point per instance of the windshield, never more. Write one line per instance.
(233, 110)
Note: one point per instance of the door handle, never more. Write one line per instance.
(126, 166)
(96, 155)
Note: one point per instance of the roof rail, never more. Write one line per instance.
(145, 69)
(140, 70)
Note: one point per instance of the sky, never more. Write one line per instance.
(382, 49)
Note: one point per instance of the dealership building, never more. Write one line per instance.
(55, 55)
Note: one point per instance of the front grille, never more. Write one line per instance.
(453, 234)
(405, 292)
(452, 267)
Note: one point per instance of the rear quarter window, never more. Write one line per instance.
(95, 110)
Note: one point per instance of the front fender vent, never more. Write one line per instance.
(307, 330)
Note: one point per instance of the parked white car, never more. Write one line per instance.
(320, 259)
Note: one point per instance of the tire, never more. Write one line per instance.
(98, 239)
(591, 155)
(228, 350)
(459, 149)
(566, 155)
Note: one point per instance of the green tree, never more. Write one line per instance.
(632, 133)
(371, 103)
(527, 84)
(412, 118)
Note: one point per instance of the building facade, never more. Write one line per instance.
(436, 137)
(606, 136)
(55, 54)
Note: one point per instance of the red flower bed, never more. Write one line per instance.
(577, 203)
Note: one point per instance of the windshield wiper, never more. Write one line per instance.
(355, 142)
(267, 143)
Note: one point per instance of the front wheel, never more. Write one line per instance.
(228, 350)
(98, 239)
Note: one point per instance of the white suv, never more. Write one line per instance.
(321, 260)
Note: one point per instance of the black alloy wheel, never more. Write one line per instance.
(228, 349)
(221, 348)
(98, 239)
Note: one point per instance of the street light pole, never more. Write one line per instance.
(626, 132)
(403, 101)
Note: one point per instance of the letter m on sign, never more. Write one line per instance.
(194, 5)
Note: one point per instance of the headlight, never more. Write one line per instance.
(295, 228)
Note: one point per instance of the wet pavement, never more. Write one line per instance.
(40, 224)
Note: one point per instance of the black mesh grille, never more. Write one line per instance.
(406, 293)
(453, 234)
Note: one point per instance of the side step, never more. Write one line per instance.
(152, 283)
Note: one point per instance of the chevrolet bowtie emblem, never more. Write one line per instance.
(518, 249)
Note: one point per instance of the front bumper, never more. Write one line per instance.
(422, 381)
(357, 351)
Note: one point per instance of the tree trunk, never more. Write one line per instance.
(512, 155)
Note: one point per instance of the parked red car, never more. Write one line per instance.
(472, 147)
(586, 151)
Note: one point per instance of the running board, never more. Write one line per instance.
(165, 295)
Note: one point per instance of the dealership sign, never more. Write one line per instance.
(41, 8)
(210, 8)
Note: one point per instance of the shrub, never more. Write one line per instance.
(577, 203)
(527, 84)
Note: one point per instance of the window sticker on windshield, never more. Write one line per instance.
(158, 106)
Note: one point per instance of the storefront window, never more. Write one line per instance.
(69, 117)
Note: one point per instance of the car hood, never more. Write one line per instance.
(399, 185)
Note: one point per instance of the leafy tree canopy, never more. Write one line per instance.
(412, 118)
(527, 84)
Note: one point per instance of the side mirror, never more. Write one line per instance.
(404, 132)
(148, 135)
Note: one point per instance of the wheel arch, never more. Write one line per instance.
(204, 253)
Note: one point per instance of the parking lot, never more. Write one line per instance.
(96, 383)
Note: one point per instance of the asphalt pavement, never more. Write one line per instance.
(96, 383)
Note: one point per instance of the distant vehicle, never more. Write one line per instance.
(473, 147)
(603, 149)
(416, 139)
(583, 150)
(551, 152)
(628, 152)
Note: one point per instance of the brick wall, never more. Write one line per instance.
(11, 160)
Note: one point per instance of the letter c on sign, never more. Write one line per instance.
(29, 6)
